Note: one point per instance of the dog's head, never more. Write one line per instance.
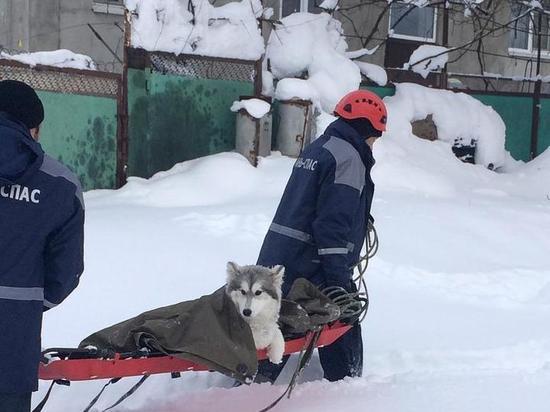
(254, 289)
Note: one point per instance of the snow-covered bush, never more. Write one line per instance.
(230, 30)
(314, 45)
(456, 115)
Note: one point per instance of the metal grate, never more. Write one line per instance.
(68, 82)
(203, 68)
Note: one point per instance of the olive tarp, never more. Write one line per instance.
(210, 331)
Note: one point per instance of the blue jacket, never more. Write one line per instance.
(321, 221)
(41, 249)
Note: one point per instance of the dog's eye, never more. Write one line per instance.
(243, 292)
(258, 293)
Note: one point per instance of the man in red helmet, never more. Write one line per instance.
(321, 222)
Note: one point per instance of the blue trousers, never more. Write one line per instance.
(343, 358)
(15, 402)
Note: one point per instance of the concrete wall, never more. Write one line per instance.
(14, 23)
(36, 25)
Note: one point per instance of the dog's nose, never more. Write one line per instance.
(247, 312)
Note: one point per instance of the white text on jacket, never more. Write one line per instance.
(22, 193)
(308, 164)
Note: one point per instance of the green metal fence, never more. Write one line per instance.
(179, 108)
(516, 111)
(81, 126)
(81, 132)
(544, 125)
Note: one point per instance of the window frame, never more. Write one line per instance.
(531, 50)
(108, 7)
(304, 5)
(432, 39)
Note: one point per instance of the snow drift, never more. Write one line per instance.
(456, 115)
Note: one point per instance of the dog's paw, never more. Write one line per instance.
(276, 349)
(275, 358)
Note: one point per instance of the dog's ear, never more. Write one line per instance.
(278, 273)
(232, 270)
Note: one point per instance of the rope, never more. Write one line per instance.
(40, 406)
(129, 393)
(372, 244)
(94, 401)
(354, 305)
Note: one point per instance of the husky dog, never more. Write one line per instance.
(256, 293)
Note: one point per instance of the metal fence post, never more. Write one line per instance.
(536, 96)
(122, 147)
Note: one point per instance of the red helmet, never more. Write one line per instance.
(362, 104)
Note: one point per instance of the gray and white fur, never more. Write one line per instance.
(256, 293)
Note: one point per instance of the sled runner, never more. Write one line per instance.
(89, 364)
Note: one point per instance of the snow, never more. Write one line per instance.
(313, 44)
(426, 58)
(254, 107)
(460, 288)
(373, 72)
(228, 31)
(268, 13)
(56, 58)
(355, 54)
(455, 115)
(535, 4)
(268, 89)
(289, 88)
(329, 4)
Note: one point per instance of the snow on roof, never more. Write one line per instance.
(427, 58)
(313, 44)
(228, 31)
(254, 107)
(56, 58)
(456, 115)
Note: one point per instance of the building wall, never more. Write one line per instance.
(460, 32)
(29, 25)
(15, 23)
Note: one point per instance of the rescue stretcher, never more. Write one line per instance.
(63, 364)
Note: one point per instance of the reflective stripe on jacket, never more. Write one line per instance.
(321, 222)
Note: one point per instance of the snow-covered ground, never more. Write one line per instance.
(460, 288)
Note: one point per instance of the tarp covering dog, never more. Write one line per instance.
(210, 331)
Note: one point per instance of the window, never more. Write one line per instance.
(524, 32)
(414, 23)
(108, 6)
(294, 6)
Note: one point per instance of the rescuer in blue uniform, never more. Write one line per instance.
(321, 222)
(41, 240)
